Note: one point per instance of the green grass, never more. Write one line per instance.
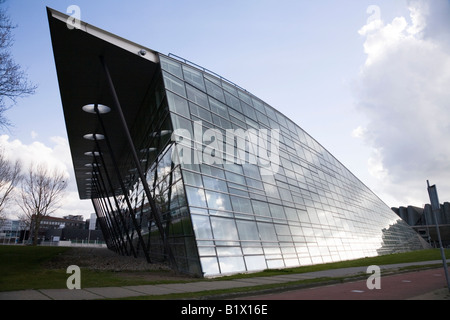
(20, 267)
(23, 267)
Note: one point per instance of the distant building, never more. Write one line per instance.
(72, 228)
(423, 222)
(73, 217)
(10, 230)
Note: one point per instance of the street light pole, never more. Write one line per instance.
(435, 207)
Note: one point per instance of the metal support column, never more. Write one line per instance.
(116, 202)
(106, 211)
(124, 189)
(126, 131)
(105, 231)
(113, 219)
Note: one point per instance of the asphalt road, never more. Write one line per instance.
(403, 286)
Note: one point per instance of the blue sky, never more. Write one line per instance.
(308, 59)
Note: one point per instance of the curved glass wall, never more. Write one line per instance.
(289, 203)
(238, 186)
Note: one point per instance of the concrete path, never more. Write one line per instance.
(198, 286)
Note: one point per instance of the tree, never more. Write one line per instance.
(10, 175)
(13, 80)
(41, 193)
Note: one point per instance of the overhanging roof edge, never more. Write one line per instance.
(81, 79)
(130, 46)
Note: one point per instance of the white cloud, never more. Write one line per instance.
(56, 155)
(403, 91)
(359, 132)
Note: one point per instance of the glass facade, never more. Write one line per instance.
(225, 204)
(229, 208)
(186, 167)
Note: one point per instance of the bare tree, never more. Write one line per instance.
(41, 193)
(10, 175)
(13, 80)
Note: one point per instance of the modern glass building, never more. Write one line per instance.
(183, 166)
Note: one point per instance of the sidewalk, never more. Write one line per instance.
(163, 289)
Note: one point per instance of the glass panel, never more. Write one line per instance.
(233, 177)
(229, 251)
(224, 229)
(244, 97)
(171, 66)
(182, 123)
(218, 108)
(291, 213)
(212, 171)
(196, 197)
(194, 179)
(249, 111)
(201, 113)
(241, 204)
(211, 78)
(230, 88)
(174, 84)
(194, 77)
(178, 104)
(231, 264)
(261, 208)
(232, 101)
(258, 106)
(197, 96)
(277, 211)
(255, 263)
(251, 170)
(202, 227)
(275, 264)
(247, 230)
(285, 194)
(215, 184)
(271, 190)
(218, 201)
(214, 90)
(270, 113)
(262, 119)
(209, 266)
(206, 251)
(267, 231)
(221, 122)
(282, 230)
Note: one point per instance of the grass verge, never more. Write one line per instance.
(23, 267)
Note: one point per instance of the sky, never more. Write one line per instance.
(367, 79)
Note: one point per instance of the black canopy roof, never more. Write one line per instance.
(82, 81)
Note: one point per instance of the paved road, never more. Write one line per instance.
(411, 285)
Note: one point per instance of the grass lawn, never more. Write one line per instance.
(22, 267)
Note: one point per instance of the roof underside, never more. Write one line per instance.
(82, 81)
